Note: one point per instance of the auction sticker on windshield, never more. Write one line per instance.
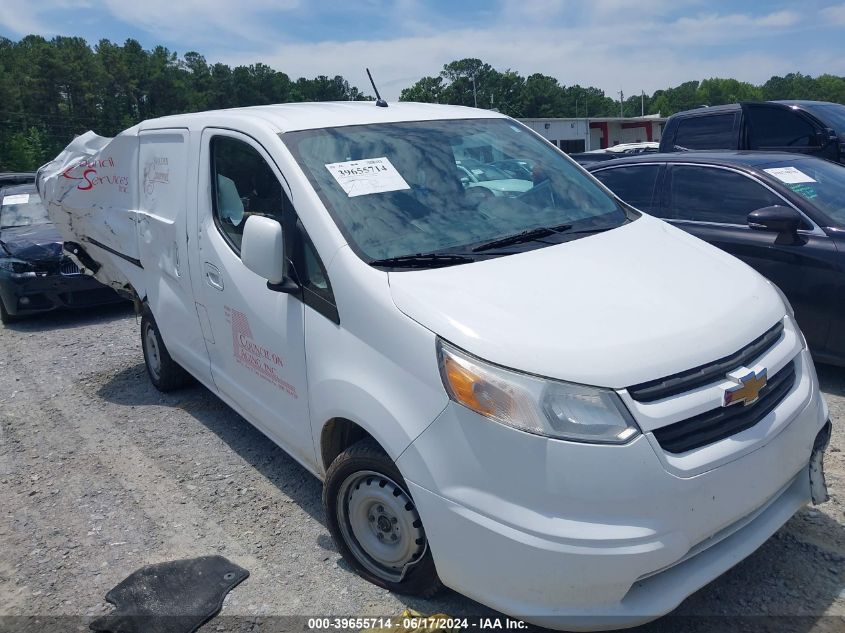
(18, 198)
(363, 177)
(789, 175)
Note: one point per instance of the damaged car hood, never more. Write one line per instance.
(636, 303)
(33, 243)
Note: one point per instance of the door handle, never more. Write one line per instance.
(213, 277)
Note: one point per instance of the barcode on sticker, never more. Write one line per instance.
(363, 177)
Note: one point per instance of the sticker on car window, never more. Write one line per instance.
(18, 198)
(789, 175)
(804, 189)
(363, 177)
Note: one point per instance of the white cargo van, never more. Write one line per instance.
(561, 407)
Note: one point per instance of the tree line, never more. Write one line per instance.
(52, 90)
(471, 81)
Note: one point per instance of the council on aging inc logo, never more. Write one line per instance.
(253, 356)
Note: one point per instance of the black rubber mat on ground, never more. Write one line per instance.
(174, 597)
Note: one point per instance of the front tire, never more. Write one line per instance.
(375, 524)
(5, 317)
(164, 372)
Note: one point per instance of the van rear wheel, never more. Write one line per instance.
(375, 524)
(165, 373)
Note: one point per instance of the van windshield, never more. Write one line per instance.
(432, 187)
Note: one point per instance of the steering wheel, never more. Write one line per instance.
(799, 138)
(478, 195)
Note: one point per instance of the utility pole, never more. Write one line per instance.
(576, 107)
(474, 94)
(642, 104)
(621, 97)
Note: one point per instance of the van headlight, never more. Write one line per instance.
(542, 406)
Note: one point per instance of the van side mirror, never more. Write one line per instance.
(777, 218)
(263, 252)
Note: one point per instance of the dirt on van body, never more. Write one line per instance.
(100, 474)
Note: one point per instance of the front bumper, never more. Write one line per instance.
(579, 536)
(23, 295)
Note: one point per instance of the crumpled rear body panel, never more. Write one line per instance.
(91, 193)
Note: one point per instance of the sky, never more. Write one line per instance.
(628, 45)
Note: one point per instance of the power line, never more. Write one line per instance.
(42, 116)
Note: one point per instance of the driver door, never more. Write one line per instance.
(258, 349)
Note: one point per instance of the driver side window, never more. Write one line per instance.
(710, 194)
(243, 184)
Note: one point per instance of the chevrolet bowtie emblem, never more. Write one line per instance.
(748, 389)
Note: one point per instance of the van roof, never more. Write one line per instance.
(287, 117)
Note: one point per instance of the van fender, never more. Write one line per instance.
(393, 430)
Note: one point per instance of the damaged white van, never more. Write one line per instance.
(536, 395)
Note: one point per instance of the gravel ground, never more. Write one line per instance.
(101, 474)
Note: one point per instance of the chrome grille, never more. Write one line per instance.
(706, 374)
(717, 424)
(68, 267)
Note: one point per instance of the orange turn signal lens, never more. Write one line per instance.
(462, 383)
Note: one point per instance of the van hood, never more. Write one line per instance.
(636, 303)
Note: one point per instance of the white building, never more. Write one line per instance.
(583, 135)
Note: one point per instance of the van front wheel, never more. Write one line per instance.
(164, 372)
(375, 524)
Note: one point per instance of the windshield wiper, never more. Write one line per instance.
(526, 236)
(423, 260)
(598, 229)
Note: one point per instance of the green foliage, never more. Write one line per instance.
(53, 90)
(26, 150)
(471, 81)
(543, 96)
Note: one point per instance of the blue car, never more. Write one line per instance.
(35, 275)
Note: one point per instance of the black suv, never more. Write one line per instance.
(806, 127)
